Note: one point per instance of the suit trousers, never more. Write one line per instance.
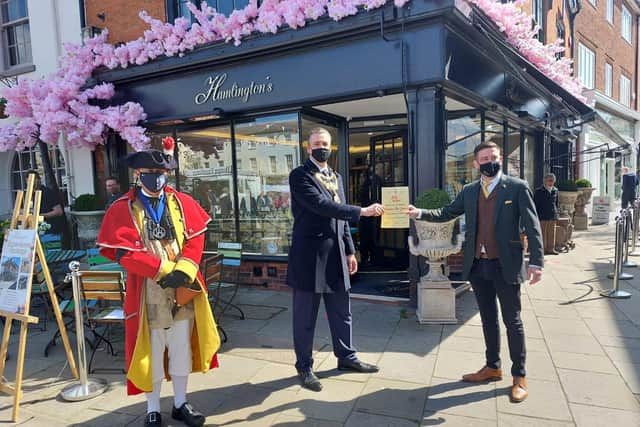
(487, 282)
(548, 235)
(305, 313)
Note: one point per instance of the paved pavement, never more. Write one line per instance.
(583, 364)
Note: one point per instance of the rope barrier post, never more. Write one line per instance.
(617, 263)
(85, 388)
(627, 236)
(636, 225)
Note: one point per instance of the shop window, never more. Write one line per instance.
(265, 220)
(529, 159)
(512, 151)
(214, 187)
(30, 159)
(16, 36)
(463, 134)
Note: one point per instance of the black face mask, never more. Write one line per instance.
(490, 169)
(321, 155)
(153, 181)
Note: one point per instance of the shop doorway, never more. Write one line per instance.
(378, 159)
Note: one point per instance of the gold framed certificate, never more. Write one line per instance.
(395, 201)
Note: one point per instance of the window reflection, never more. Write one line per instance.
(267, 149)
(206, 172)
(463, 134)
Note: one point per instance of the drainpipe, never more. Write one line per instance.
(574, 8)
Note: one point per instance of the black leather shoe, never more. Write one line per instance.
(357, 366)
(153, 419)
(188, 415)
(310, 381)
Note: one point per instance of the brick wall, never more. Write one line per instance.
(594, 31)
(121, 16)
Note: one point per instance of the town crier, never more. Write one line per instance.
(157, 234)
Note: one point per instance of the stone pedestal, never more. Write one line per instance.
(581, 222)
(436, 302)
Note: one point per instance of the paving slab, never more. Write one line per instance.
(464, 399)
(450, 420)
(546, 400)
(393, 399)
(597, 389)
(362, 419)
(594, 416)
(583, 362)
(510, 420)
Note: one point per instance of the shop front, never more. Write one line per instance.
(406, 95)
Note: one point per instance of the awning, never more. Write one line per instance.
(605, 129)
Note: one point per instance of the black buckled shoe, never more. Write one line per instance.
(310, 381)
(153, 419)
(188, 415)
(357, 366)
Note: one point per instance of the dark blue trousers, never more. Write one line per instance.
(488, 283)
(305, 313)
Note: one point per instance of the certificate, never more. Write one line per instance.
(395, 201)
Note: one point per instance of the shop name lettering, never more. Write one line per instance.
(217, 92)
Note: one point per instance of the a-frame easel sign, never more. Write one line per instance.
(20, 251)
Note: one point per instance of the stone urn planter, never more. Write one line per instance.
(87, 211)
(436, 295)
(567, 202)
(88, 226)
(580, 217)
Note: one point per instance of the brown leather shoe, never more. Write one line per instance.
(519, 390)
(484, 374)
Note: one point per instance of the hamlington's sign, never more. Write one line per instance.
(218, 90)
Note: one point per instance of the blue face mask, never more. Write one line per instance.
(153, 181)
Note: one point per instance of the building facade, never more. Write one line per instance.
(394, 87)
(33, 33)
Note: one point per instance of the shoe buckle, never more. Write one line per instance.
(153, 417)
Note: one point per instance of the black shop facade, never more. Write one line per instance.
(405, 93)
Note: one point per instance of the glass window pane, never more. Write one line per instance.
(225, 7)
(14, 9)
(200, 154)
(263, 147)
(463, 134)
(513, 154)
(529, 159)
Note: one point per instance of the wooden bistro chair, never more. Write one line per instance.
(102, 294)
(211, 268)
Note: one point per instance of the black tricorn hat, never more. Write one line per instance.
(151, 159)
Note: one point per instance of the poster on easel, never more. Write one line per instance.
(16, 265)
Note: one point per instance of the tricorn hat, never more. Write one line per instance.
(154, 159)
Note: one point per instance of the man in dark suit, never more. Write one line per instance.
(629, 186)
(496, 207)
(321, 258)
(546, 200)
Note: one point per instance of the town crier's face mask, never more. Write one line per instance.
(152, 180)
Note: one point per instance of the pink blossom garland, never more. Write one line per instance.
(60, 104)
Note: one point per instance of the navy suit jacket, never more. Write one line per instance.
(514, 211)
(321, 237)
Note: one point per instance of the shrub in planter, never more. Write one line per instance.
(87, 202)
(567, 185)
(583, 183)
(433, 199)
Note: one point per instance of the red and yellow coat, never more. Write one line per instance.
(120, 240)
